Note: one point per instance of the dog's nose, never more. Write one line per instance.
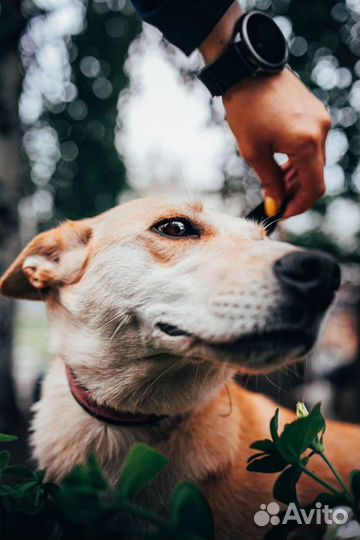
(310, 273)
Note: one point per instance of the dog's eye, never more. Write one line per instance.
(176, 228)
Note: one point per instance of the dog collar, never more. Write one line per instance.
(103, 413)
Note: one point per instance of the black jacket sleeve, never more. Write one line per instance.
(185, 23)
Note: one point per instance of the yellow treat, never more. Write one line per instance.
(271, 207)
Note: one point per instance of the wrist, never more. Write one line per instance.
(221, 35)
(240, 48)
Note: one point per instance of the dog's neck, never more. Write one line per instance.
(103, 413)
(190, 439)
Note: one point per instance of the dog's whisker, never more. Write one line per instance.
(195, 377)
(154, 381)
(108, 344)
(295, 372)
(274, 384)
(110, 321)
(272, 222)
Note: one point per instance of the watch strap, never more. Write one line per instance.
(228, 70)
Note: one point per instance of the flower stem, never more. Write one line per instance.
(337, 475)
(319, 480)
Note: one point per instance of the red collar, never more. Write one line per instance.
(103, 412)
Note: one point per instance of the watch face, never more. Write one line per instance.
(264, 41)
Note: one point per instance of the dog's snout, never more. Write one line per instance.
(314, 274)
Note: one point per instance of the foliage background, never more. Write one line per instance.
(75, 139)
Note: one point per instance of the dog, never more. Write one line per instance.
(153, 308)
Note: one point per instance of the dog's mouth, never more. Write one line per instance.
(264, 339)
(277, 335)
(171, 330)
(285, 338)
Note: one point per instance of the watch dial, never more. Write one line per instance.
(266, 38)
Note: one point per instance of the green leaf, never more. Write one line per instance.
(299, 435)
(7, 438)
(38, 494)
(4, 459)
(264, 445)
(6, 491)
(19, 470)
(268, 464)
(284, 489)
(141, 465)
(274, 427)
(40, 475)
(355, 484)
(190, 512)
(256, 456)
(27, 486)
(88, 475)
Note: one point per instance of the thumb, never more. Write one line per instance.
(272, 180)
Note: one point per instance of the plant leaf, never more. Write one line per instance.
(6, 491)
(27, 486)
(4, 459)
(255, 456)
(264, 445)
(88, 475)
(274, 427)
(7, 438)
(267, 464)
(141, 465)
(299, 435)
(190, 512)
(284, 489)
(19, 470)
(40, 475)
(355, 484)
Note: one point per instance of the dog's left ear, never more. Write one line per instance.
(53, 258)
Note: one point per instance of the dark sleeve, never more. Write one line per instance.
(185, 23)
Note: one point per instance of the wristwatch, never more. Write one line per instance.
(259, 47)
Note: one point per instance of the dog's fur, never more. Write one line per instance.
(108, 282)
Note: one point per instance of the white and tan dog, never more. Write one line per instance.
(153, 308)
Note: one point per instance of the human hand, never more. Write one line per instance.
(278, 114)
(275, 113)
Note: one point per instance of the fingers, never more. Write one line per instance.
(300, 180)
(308, 187)
(270, 174)
(304, 176)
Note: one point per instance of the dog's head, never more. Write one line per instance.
(156, 305)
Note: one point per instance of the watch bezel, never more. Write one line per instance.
(252, 55)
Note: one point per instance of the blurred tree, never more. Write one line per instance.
(12, 174)
(90, 173)
(85, 173)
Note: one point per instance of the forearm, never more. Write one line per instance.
(185, 23)
(221, 35)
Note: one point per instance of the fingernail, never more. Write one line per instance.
(271, 206)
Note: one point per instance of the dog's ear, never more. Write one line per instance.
(53, 258)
